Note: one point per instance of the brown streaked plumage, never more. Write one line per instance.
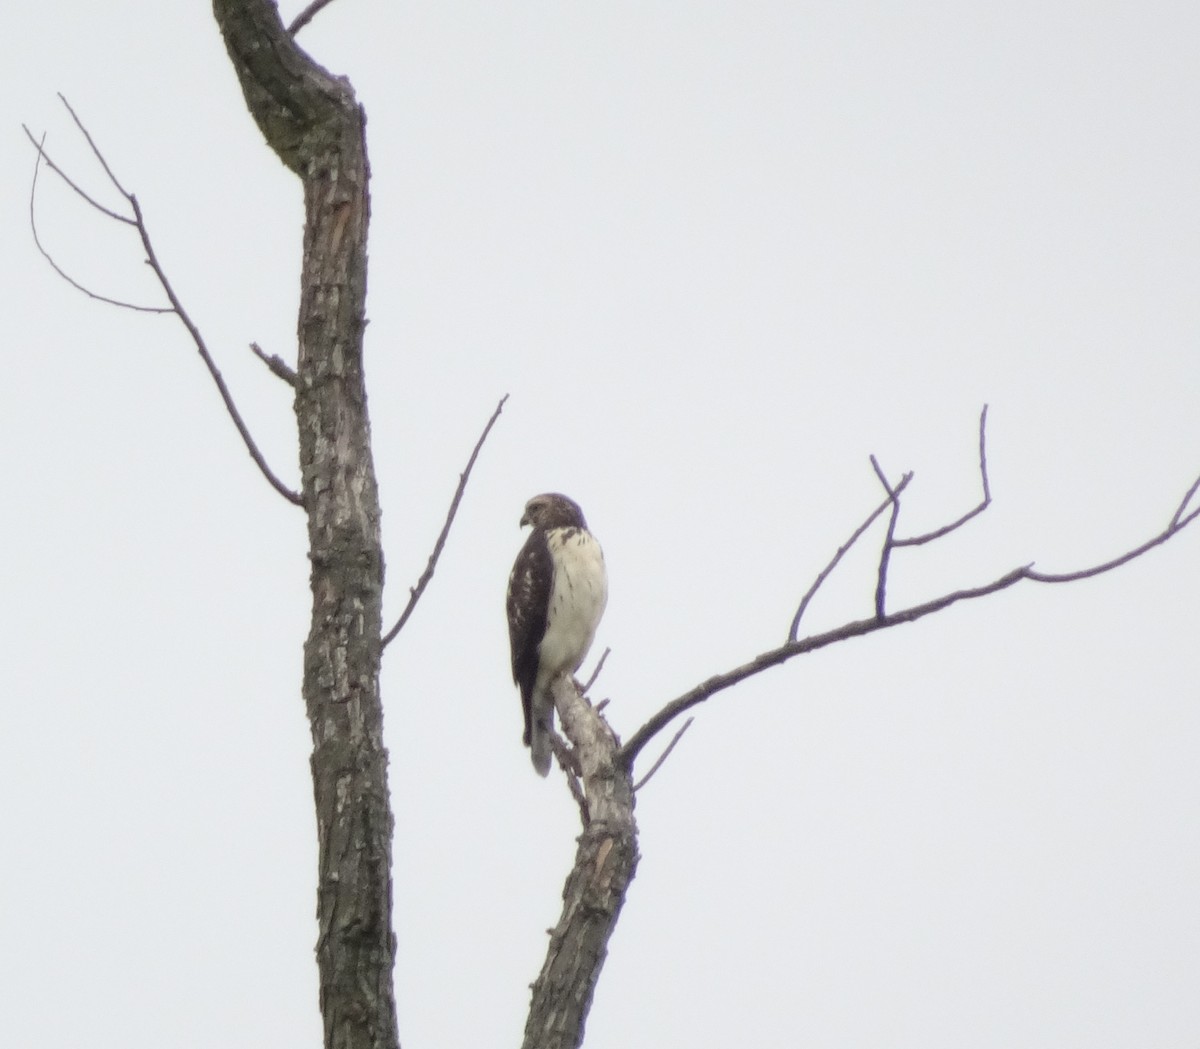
(556, 595)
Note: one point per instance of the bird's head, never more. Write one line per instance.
(552, 510)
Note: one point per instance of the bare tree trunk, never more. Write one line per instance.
(313, 121)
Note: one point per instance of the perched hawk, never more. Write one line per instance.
(556, 596)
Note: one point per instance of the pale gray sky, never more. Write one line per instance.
(718, 253)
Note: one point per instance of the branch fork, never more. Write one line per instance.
(137, 220)
(881, 619)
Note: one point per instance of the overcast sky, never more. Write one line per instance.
(718, 254)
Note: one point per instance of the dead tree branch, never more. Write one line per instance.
(664, 755)
(882, 620)
(138, 222)
(43, 156)
(984, 503)
(415, 592)
(890, 542)
(202, 348)
(605, 862)
(825, 572)
(275, 364)
(1178, 524)
(307, 15)
(596, 673)
(885, 554)
(1177, 517)
(94, 148)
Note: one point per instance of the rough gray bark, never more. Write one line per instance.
(316, 127)
(606, 859)
(313, 122)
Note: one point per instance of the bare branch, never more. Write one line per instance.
(783, 653)
(937, 533)
(1178, 524)
(39, 145)
(95, 151)
(1183, 503)
(885, 554)
(794, 630)
(176, 307)
(664, 755)
(307, 15)
(152, 259)
(890, 541)
(793, 648)
(415, 592)
(37, 240)
(596, 673)
(277, 365)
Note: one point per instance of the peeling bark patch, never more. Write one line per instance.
(602, 854)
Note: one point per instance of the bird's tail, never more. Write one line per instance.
(539, 736)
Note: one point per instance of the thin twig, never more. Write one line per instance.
(276, 364)
(45, 252)
(1177, 525)
(885, 555)
(595, 673)
(859, 628)
(307, 15)
(1184, 502)
(415, 592)
(209, 363)
(116, 216)
(95, 149)
(664, 755)
(176, 307)
(794, 630)
(937, 533)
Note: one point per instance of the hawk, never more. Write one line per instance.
(556, 596)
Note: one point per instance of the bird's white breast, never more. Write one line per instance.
(577, 600)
